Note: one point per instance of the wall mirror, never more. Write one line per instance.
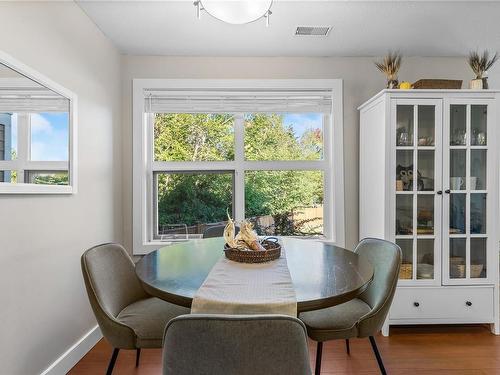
(37, 133)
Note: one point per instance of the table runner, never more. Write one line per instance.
(240, 288)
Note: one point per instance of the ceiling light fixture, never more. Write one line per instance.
(235, 12)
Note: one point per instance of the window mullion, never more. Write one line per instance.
(239, 172)
(328, 178)
(152, 212)
(23, 144)
(286, 165)
(168, 166)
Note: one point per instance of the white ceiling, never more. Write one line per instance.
(369, 28)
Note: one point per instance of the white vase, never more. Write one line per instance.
(476, 84)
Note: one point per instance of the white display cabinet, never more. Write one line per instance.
(429, 170)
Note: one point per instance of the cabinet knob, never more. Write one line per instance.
(439, 192)
(468, 303)
(416, 304)
(447, 191)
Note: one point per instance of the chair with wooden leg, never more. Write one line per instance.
(128, 317)
(365, 315)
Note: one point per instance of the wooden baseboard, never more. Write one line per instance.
(75, 353)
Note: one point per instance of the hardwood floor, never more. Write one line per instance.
(422, 350)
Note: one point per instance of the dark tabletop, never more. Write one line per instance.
(323, 275)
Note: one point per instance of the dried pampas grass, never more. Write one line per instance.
(481, 63)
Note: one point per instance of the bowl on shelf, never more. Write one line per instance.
(457, 267)
(457, 271)
(425, 230)
(476, 270)
(457, 260)
(425, 271)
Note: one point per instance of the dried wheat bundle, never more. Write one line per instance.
(481, 63)
(390, 65)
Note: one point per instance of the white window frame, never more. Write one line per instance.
(144, 167)
(23, 163)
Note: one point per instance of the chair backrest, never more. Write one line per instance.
(235, 344)
(111, 283)
(385, 258)
(217, 231)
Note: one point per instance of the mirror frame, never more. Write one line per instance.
(24, 188)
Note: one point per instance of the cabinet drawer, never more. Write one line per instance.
(474, 304)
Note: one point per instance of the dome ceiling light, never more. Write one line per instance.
(235, 12)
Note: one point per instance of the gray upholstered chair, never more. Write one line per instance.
(217, 231)
(365, 315)
(129, 318)
(235, 345)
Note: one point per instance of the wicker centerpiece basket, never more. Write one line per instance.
(272, 251)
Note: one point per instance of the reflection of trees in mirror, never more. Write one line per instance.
(13, 174)
(201, 198)
(51, 179)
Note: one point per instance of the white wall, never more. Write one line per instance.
(361, 81)
(44, 308)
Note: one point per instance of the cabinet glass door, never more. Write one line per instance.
(466, 195)
(417, 179)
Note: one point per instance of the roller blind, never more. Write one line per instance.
(33, 104)
(230, 102)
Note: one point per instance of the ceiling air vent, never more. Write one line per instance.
(313, 30)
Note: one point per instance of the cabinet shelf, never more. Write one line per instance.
(416, 147)
(418, 192)
(405, 148)
(468, 191)
(431, 148)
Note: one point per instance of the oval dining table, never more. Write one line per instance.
(323, 275)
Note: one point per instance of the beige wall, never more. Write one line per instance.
(44, 308)
(361, 80)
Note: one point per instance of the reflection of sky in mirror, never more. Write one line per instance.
(49, 136)
(302, 122)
